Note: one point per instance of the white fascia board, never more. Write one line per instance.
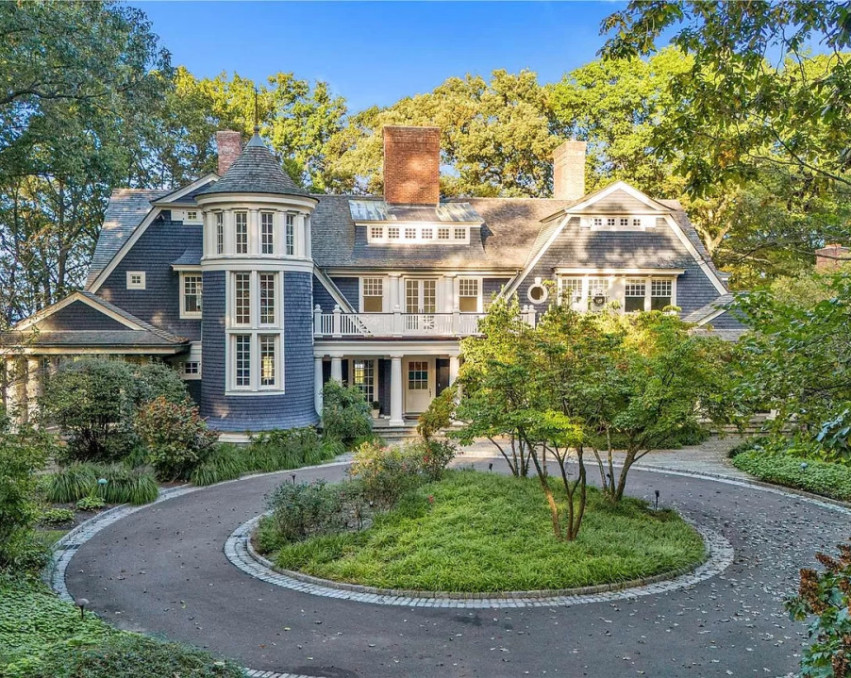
(384, 348)
(125, 248)
(187, 268)
(355, 271)
(512, 286)
(99, 350)
(180, 192)
(619, 271)
(620, 185)
(67, 301)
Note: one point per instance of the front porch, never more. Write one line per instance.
(399, 384)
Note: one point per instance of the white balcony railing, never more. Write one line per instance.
(340, 324)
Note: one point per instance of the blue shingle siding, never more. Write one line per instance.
(492, 287)
(322, 297)
(579, 247)
(294, 407)
(78, 316)
(159, 303)
(350, 289)
(194, 388)
(727, 321)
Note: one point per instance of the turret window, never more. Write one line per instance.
(268, 283)
(242, 360)
(268, 359)
(242, 299)
(220, 232)
(290, 234)
(267, 233)
(241, 231)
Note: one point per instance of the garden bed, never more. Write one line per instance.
(478, 532)
(826, 479)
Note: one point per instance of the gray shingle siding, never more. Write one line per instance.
(492, 287)
(78, 316)
(727, 321)
(322, 297)
(294, 407)
(617, 201)
(578, 247)
(350, 289)
(159, 303)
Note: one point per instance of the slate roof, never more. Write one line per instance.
(149, 336)
(510, 226)
(126, 209)
(378, 210)
(704, 311)
(680, 216)
(190, 257)
(256, 170)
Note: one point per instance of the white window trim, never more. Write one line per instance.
(184, 314)
(535, 284)
(254, 329)
(384, 292)
(374, 385)
(418, 238)
(479, 285)
(647, 221)
(136, 286)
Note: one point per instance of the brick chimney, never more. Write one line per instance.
(831, 257)
(412, 165)
(229, 147)
(569, 170)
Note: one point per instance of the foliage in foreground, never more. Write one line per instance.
(22, 454)
(826, 479)
(475, 531)
(123, 485)
(346, 414)
(825, 597)
(43, 637)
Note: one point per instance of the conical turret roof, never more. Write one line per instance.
(255, 171)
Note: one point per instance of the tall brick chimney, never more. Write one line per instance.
(412, 165)
(229, 147)
(569, 170)
(831, 257)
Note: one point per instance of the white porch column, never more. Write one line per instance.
(337, 368)
(317, 385)
(449, 295)
(454, 363)
(396, 391)
(33, 387)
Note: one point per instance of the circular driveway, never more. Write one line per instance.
(162, 570)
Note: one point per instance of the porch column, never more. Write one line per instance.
(33, 387)
(454, 363)
(393, 284)
(317, 385)
(11, 394)
(336, 368)
(396, 391)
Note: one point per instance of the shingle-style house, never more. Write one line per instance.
(259, 292)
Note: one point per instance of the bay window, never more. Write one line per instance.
(255, 333)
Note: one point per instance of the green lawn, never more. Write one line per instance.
(488, 532)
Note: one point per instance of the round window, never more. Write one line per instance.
(537, 293)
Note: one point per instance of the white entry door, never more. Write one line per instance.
(420, 303)
(419, 384)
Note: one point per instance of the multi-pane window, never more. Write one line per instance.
(610, 222)
(135, 280)
(468, 295)
(242, 360)
(191, 368)
(571, 290)
(393, 232)
(373, 295)
(267, 233)
(624, 222)
(417, 375)
(242, 299)
(241, 221)
(460, 233)
(268, 359)
(376, 232)
(363, 377)
(598, 222)
(290, 233)
(598, 291)
(192, 294)
(443, 234)
(410, 233)
(636, 222)
(267, 282)
(427, 233)
(660, 294)
(634, 292)
(220, 232)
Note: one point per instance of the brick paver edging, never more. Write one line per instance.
(239, 550)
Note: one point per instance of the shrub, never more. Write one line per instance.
(435, 456)
(92, 503)
(284, 448)
(829, 480)
(158, 380)
(175, 435)
(826, 596)
(298, 511)
(225, 462)
(386, 472)
(21, 455)
(124, 485)
(55, 516)
(439, 414)
(346, 414)
(92, 401)
(72, 482)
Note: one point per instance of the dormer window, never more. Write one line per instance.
(427, 233)
(443, 234)
(376, 232)
(416, 234)
(393, 232)
(460, 233)
(598, 222)
(410, 233)
(610, 222)
(626, 222)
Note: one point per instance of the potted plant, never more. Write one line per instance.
(376, 406)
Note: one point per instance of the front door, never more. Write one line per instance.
(420, 303)
(419, 384)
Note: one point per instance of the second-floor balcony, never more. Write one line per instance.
(339, 324)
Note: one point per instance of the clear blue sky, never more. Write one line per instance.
(378, 52)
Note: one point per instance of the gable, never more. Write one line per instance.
(78, 316)
(616, 202)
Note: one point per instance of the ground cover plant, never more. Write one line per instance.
(124, 485)
(781, 467)
(478, 532)
(43, 637)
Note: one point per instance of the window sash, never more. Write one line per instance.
(192, 293)
(220, 232)
(241, 232)
(242, 360)
(267, 232)
(363, 377)
(268, 344)
(290, 234)
(268, 283)
(242, 299)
